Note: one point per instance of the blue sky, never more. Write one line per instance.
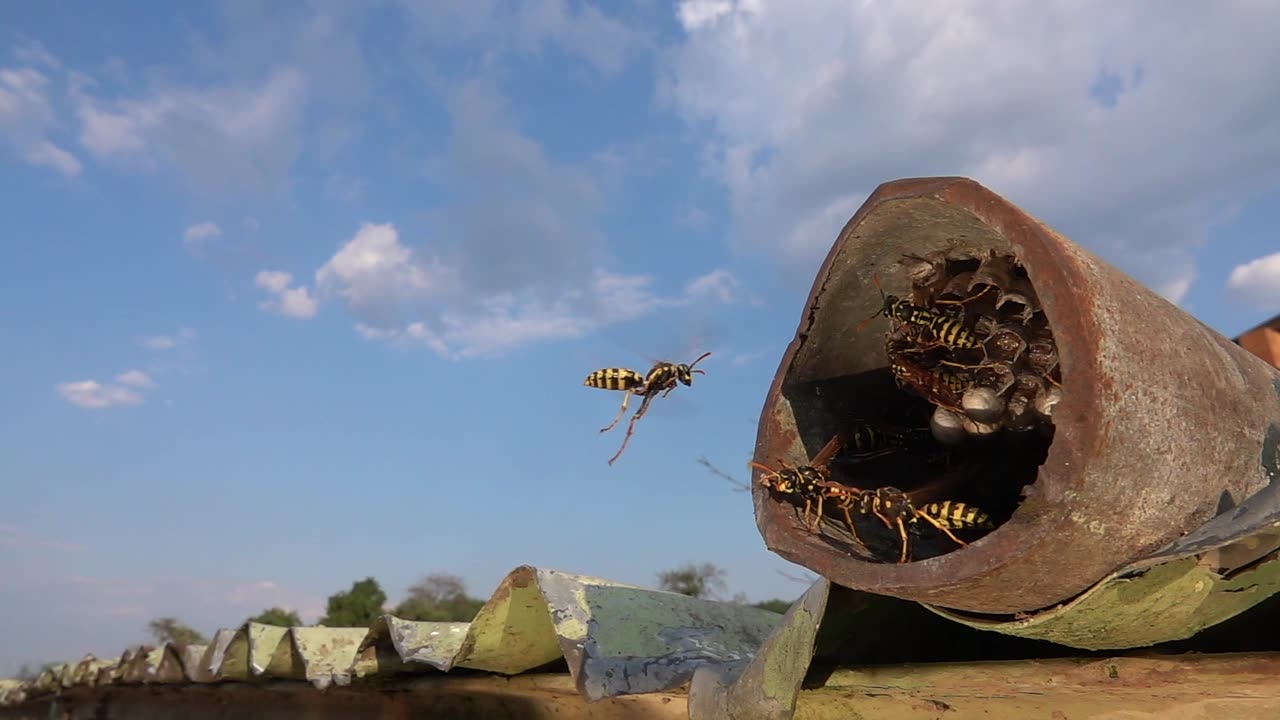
(297, 293)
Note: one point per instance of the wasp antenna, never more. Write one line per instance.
(758, 466)
(875, 277)
(701, 357)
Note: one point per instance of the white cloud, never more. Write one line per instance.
(719, 285)
(194, 236)
(27, 117)
(375, 271)
(168, 342)
(397, 296)
(32, 52)
(91, 394)
(288, 301)
(1123, 126)
(135, 378)
(43, 153)
(1257, 282)
(697, 13)
(228, 137)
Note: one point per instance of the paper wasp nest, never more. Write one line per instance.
(1008, 379)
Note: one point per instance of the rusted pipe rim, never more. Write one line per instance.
(1029, 241)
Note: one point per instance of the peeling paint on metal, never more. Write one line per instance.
(1270, 460)
(641, 641)
(767, 686)
(432, 643)
(263, 641)
(1172, 601)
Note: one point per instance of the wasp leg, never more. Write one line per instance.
(817, 520)
(967, 366)
(906, 543)
(943, 528)
(848, 522)
(631, 427)
(873, 454)
(622, 411)
(812, 525)
(965, 301)
(887, 522)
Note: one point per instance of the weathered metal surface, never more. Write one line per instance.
(1224, 568)
(764, 687)
(616, 640)
(1162, 424)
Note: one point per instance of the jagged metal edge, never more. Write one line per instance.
(616, 639)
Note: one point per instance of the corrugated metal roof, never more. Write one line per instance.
(630, 651)
(616, 640)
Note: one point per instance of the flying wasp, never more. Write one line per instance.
(896, 510)
(662, 378)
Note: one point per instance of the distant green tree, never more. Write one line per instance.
(277, 616)
(169, 630)
(775, 605)
(700, 581)
(357, 607)
(27, 673)
(439, 597)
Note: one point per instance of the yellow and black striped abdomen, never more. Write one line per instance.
(866, 439)
(958, 515)
(951, 332)
(953, 382)
(614, 379)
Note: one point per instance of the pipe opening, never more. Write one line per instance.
(942, 409)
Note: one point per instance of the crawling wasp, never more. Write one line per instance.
(866, 441)
(662, 378)
(947, 330)
(895, 509)
(810, 482)
(937, 385)
(813, 484)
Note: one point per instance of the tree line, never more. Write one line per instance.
(441, 597)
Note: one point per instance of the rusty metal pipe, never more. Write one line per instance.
(1162, 424)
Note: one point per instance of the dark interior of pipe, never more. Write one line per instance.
(984, 472)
